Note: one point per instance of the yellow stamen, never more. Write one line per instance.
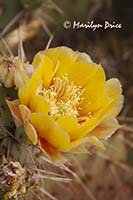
(64, 97)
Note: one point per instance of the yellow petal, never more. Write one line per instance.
(24, 94)
(50, 131)
(38, 73)
(107, 112)
(82, 69)
(87, 127)
(78, 142)
(37, 60)
(94, 92)
(105, 129)
(42, 105)
(25, 112)
(69, 123)
(52, 153)
(64, 55)
(31, 133)
(14, 108)
(35, 88)
(114, 90)
(91, 123)
(49, 69)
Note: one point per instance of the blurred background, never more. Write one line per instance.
(97, 175)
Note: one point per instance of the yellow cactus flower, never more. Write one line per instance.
(67, 103)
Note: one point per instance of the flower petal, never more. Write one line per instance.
(94, 93)
(87, 127)
(83, 57)
(91, 123)
(82, 69)
(69, 62)
(51, 152)
(79, 149)
(64, 55)
(38, 73)
(114, 90)
(25, 112)
(90, 139)
(69, 123)
(35, 88)
(42, 105)
(24, 93)
(107, 112)
(31, 133)
(49, 69)
(14, 108)
(50, 131)
(105, 129)
(96, 142)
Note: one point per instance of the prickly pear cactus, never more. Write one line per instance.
(44, 99)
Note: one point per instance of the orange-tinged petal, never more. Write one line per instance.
(31, 133)
(50, 131)
(69, 123)
(51, 152)
(14, 108)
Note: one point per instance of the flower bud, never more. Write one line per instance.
(13, 72)
(6, 71)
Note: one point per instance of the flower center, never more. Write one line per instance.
(64, 97)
